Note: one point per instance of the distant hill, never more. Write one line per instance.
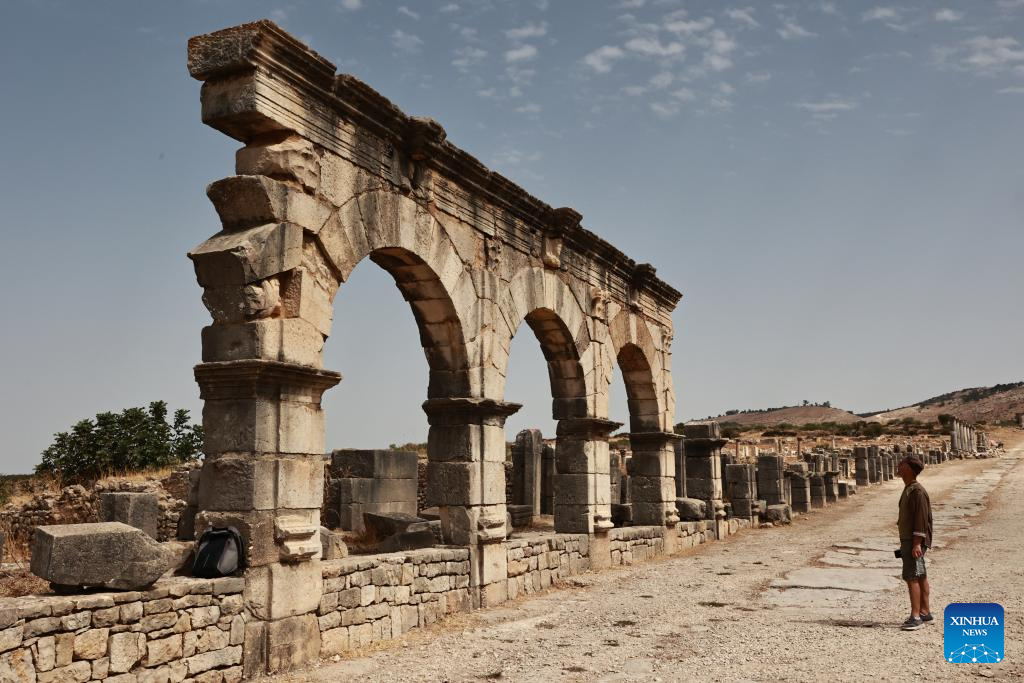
(794, 415)
(979, 404)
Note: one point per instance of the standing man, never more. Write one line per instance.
(915, 525)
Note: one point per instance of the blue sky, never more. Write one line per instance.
(836, 187)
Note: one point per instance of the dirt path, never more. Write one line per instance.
(765, 605)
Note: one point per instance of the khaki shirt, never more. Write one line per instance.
(915, 514)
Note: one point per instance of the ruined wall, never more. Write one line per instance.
(378, 598)
(182, 629)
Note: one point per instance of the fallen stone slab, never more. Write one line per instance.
(690, 509)
(102, 555)
(385, 524)
(413, 539)
(778, 514)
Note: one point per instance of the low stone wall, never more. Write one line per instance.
(381, 597)
(535, 563)
(635, 543)
(181, 629)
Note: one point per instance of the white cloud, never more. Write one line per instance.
(720, 103)
(829, 8)
(467, 32)
(684, 95)
(661, 80)
(726, 89)
(450, 8)
(529, 108)
(992, 53)
(744, 16)
(527, 31)
(488, 93)
(632, 4)
(1012, 90)
(758, 77)
(946, 14)
(684, 27)
(653, 47)
(720, 47)
(408, 12)
(665, 110)
(523, 53)
(601, 59)
(828, 109)
(406, 42)
(351, 5)
(1011, 4)
(467, 57)
(791, 30)
(881, 14)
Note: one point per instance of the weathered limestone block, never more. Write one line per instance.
(288, 340)
(292, 157)
(244, 201)
(240, 258)
(778, 514)
(108, 554)
(526, 469)
(140, 510)
(691, 509)
(333, 546)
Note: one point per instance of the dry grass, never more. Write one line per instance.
(19, 581)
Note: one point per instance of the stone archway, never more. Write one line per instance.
(332, 173)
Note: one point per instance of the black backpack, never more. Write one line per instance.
(220, 552)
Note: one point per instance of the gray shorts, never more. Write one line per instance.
(913, 568)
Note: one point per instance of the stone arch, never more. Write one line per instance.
(640, 364)
(550, 309)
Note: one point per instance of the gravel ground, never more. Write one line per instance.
(711, 613)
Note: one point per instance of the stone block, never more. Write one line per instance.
(778, 514)
(292, 643)
(231, 482)
(17, 667)
(412, 539)
(278, 591)
(374, 464)
(691, 509)
(239, 258)
(332, 545)
(262, 425)
(384, 524)
(288, 340)
(140, 510)
(107, 554)
(125, 650)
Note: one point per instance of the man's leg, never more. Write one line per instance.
(925, 593)
(914, 588)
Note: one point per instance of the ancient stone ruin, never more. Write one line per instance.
(330, 173)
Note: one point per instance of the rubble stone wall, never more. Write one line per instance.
(181, 629)
(368, 599)
(534, 564)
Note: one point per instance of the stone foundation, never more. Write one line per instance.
(181, 629)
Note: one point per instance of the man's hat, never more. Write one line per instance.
(915, 463)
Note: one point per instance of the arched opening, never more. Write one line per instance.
(641, 393)
(377, 406)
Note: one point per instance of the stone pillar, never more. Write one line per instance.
(264, 475)
(740, 482)
(831, 487)
(800, 487)
(703, 476)
(615, 477)
(527, 468)
(653, 480)
(547, 480)
(771, 479)
(679, 451)
(862, 471)
(466, 480)
(874, 465)
(817, 490)
(582, 479)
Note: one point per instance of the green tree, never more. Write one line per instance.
(134, 439)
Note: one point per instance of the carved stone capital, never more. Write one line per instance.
(241, 379)
(465, 410)
(594, 428)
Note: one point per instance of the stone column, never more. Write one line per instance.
(831, 487)
(817, 490)
(527, 469)
(653, 478)
(264, 475)
(582, 502)
(466, 480)
(862, 471)
(771, 479)
(547, 480)
(740, 482)
(800, 487)
(703, 473)
(679, 452)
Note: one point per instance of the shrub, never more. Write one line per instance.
(134, 439)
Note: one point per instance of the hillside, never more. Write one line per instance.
(794, 415)
(979, 404)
